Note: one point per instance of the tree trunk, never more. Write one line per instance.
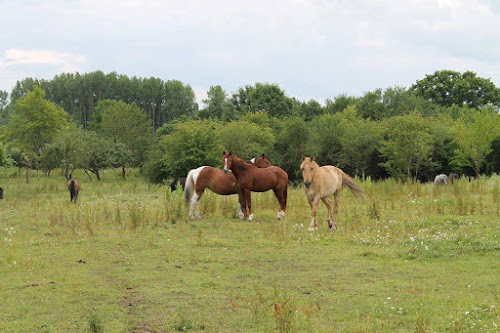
(87, 173)
(124, 171)
(27, 175)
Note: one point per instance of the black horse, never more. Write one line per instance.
(178, 180)
(1, 193)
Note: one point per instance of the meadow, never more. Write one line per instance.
(412, 257)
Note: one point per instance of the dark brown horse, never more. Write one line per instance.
(452, 178)
(217, 181)
(1, 193)
(178, 181)
(250, 178)
(74, 188)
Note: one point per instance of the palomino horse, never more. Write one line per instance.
(250, 178)
(178, 181)
(74, 188)
(216, 180)
(322, 182)
(1, 193)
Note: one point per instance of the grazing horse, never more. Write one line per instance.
(217, 181)
(453, 177)
(178, 180)
(74, 188)
(322, 182)
(250, 178)
(441, 179)
(1, 193)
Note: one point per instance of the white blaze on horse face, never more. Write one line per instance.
(253, 160)
(225, 164)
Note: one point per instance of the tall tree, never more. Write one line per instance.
(128, 124)
(450, 87)
(408, 145)
(474, 136)
(216, 103)
(35, 120)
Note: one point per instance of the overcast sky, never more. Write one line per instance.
(311, 48)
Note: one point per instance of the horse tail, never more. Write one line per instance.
(355, 188)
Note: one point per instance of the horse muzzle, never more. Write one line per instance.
(307, 184)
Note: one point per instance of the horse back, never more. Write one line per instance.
(331, 180)
(217, 180)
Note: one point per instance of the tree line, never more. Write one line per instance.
(445, 122)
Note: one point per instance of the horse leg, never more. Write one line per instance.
(194, 207)
(336, 198)
(279, 195)
(242, 213)
(326, 201)
(248, 196)
(314, 207)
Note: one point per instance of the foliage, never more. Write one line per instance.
(5, 156)
(190, 145)
(448, 87)
(126, 124)
(35, 121)
(291, 144)
(245, 139)
(474, 136)
(407, 146)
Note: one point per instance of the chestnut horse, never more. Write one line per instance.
(250, 178)
(217, 181)
(322, 182)
(74, 188)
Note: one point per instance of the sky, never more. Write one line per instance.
(313, 49)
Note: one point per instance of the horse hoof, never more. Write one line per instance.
(312, 228)
(281, 214)
(241, 216)
(333, 228)
(250, 218)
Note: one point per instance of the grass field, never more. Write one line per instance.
(411, 258)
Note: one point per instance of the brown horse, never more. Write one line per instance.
(452, 178)
(74, 188)
(322, 182)
(250, 178)
(217, 181)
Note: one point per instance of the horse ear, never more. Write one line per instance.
(230, 153)
(312, 158)
(263, 155)
(303, 158)
(224, 152)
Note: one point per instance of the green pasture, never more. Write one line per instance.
(410, 258)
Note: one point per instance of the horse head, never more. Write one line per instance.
(262, 161)
(308, 168)
(227, 159)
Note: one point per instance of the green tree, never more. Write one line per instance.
(360, 141)
(407, 146)
(36, 121)
(190, 145)
(340, 103)
(448, 87)
(217, 104)
(474, 136)
(246, 139)
(292, 143)
(128, 124)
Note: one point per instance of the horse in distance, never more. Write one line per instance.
(74, 189)
(441, 179)
(1, 193)
(217, 181)
(322, 182)
(178, 181)
(250, 178)
(453, 177)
